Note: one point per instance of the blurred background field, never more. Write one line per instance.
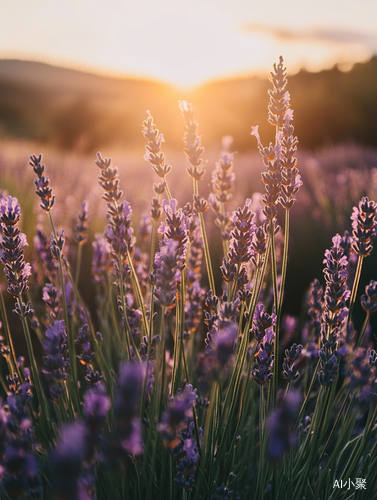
(127, 59)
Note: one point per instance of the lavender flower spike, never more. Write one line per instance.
(369, 300)
(364, 225)
(336, 293)
(42, 183)
(13, 241)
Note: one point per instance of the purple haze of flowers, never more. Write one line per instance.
(187, 465)
(55, 362)
(176, 416)
(101, 260)
(223, 343)
(279, 426)
(66, 461)
(19, 474)
(126, 435)
(42, 247)
(96, 407)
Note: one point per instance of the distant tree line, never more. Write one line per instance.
(91, 112)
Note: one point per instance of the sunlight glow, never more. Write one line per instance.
(183, 43)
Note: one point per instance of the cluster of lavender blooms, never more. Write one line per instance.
(13, 242)
(223, 179)
(164, 402)
(19, 469)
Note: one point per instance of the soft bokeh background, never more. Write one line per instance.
(77, 76)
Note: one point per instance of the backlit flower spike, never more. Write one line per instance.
(278, 99)
(369, 300)
(153, 152)
(336, 293)
(364, 225)
(290, 178)
(13, 241)
(42, 183)
(194, 150)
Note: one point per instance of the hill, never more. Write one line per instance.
(77, 110)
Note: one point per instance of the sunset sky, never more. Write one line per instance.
(186, 43)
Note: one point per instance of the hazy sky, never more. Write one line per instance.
(187, 42)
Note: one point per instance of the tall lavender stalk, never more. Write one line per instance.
(119, 234)
(44, 192)
(17, 272)
(364, 226)
(281, 181)
(194, 151)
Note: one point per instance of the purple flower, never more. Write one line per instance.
(279, 427)
(55, 362)
(42, 247)
(262, 371)
(330, 355)
(166, 273)
(15, 268)
(262, 320)
(67, 461)
(19, 467)
(81, 227)
(153, 152)
(336, 293)
(96, 407)
(290, 369)
(175, 418)
(364, 225)
(369, 300)
(126, 438)
(101, 261)
(42, 183)
(193, 149)
(186, 467)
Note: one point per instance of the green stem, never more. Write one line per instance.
(148, 354)
(45, 413)
(71, 344)
(138, 293)
(167, 188)
(276, 347)
(284, 267)
(207, 255)
(363, 330)
(153, 245)
(355, 287)
(78, 263)
(224, 242)
(8, 336)
(260, 482)
(126, 326)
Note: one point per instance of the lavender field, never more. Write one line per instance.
(189, 325)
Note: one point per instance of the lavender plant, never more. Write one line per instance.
(176, 386)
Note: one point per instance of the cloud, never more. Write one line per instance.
(314, 35)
